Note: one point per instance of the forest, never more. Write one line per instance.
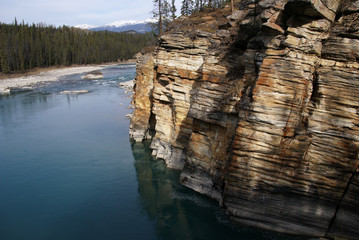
(24, 47)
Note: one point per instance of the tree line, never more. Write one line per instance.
(192, 6)
(165, 11)
(24, 47)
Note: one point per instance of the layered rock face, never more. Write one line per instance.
(259, 110)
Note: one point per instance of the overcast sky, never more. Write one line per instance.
(75, 12)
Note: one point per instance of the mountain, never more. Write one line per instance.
(85, 26)
(140, 26)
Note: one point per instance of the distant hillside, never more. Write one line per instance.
(121, 26)
(23, 47)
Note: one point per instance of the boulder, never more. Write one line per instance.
(93, 75)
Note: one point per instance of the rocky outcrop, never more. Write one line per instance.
(97, 74)
(74, 91)
(140, 127)
(4, 91)
(259, 109)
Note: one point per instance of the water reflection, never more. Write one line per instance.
(21, 106)
(180, 213)
(71, 97)
(156, 184)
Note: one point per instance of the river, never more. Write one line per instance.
(69, 171)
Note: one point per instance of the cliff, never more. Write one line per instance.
(259, 110)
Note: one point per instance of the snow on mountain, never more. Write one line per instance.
(85, 26)
(140, 26)
(130, 22)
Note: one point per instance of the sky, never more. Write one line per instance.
(75, 12)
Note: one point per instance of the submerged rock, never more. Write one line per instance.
(127, 85)
(93, 75)
(129, 116)
(74, 91)
(259, 110)
(5, 91)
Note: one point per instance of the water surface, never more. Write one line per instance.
(69, 171)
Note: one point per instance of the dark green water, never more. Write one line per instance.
(69, 171)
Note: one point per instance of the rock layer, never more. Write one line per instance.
(259, 109)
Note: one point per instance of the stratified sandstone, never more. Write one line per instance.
(142, 100)
(259, 109)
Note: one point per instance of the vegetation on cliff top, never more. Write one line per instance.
(165, 12)
(24, 47)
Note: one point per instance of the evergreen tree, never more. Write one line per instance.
(4, 65)
(198, 5)
(167, 14)
(173, 10)
(23, 47)
(187, 7)
(157, 14)
(161, 12)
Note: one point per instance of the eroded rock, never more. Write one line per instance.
(259, 110)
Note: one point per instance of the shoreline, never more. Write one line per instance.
(21, 80)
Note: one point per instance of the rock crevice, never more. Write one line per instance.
(259, 110)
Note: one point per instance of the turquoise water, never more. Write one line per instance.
(69, 171)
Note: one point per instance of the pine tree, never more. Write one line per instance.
(161, 12)
(158, 14)
(167, 14)
(23, 47)
(4, 63)
(187, 7)
(210, 3)
(198, 5)
(173, 10)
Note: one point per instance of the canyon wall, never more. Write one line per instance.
(258, 108)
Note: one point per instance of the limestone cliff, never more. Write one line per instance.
(259, 109)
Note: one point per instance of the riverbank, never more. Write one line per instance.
(26, 80)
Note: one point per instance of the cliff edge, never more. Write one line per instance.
(259, 110)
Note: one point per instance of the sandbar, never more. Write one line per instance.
(28, 80)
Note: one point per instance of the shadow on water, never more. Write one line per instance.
(20, 106)
(180, 213)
